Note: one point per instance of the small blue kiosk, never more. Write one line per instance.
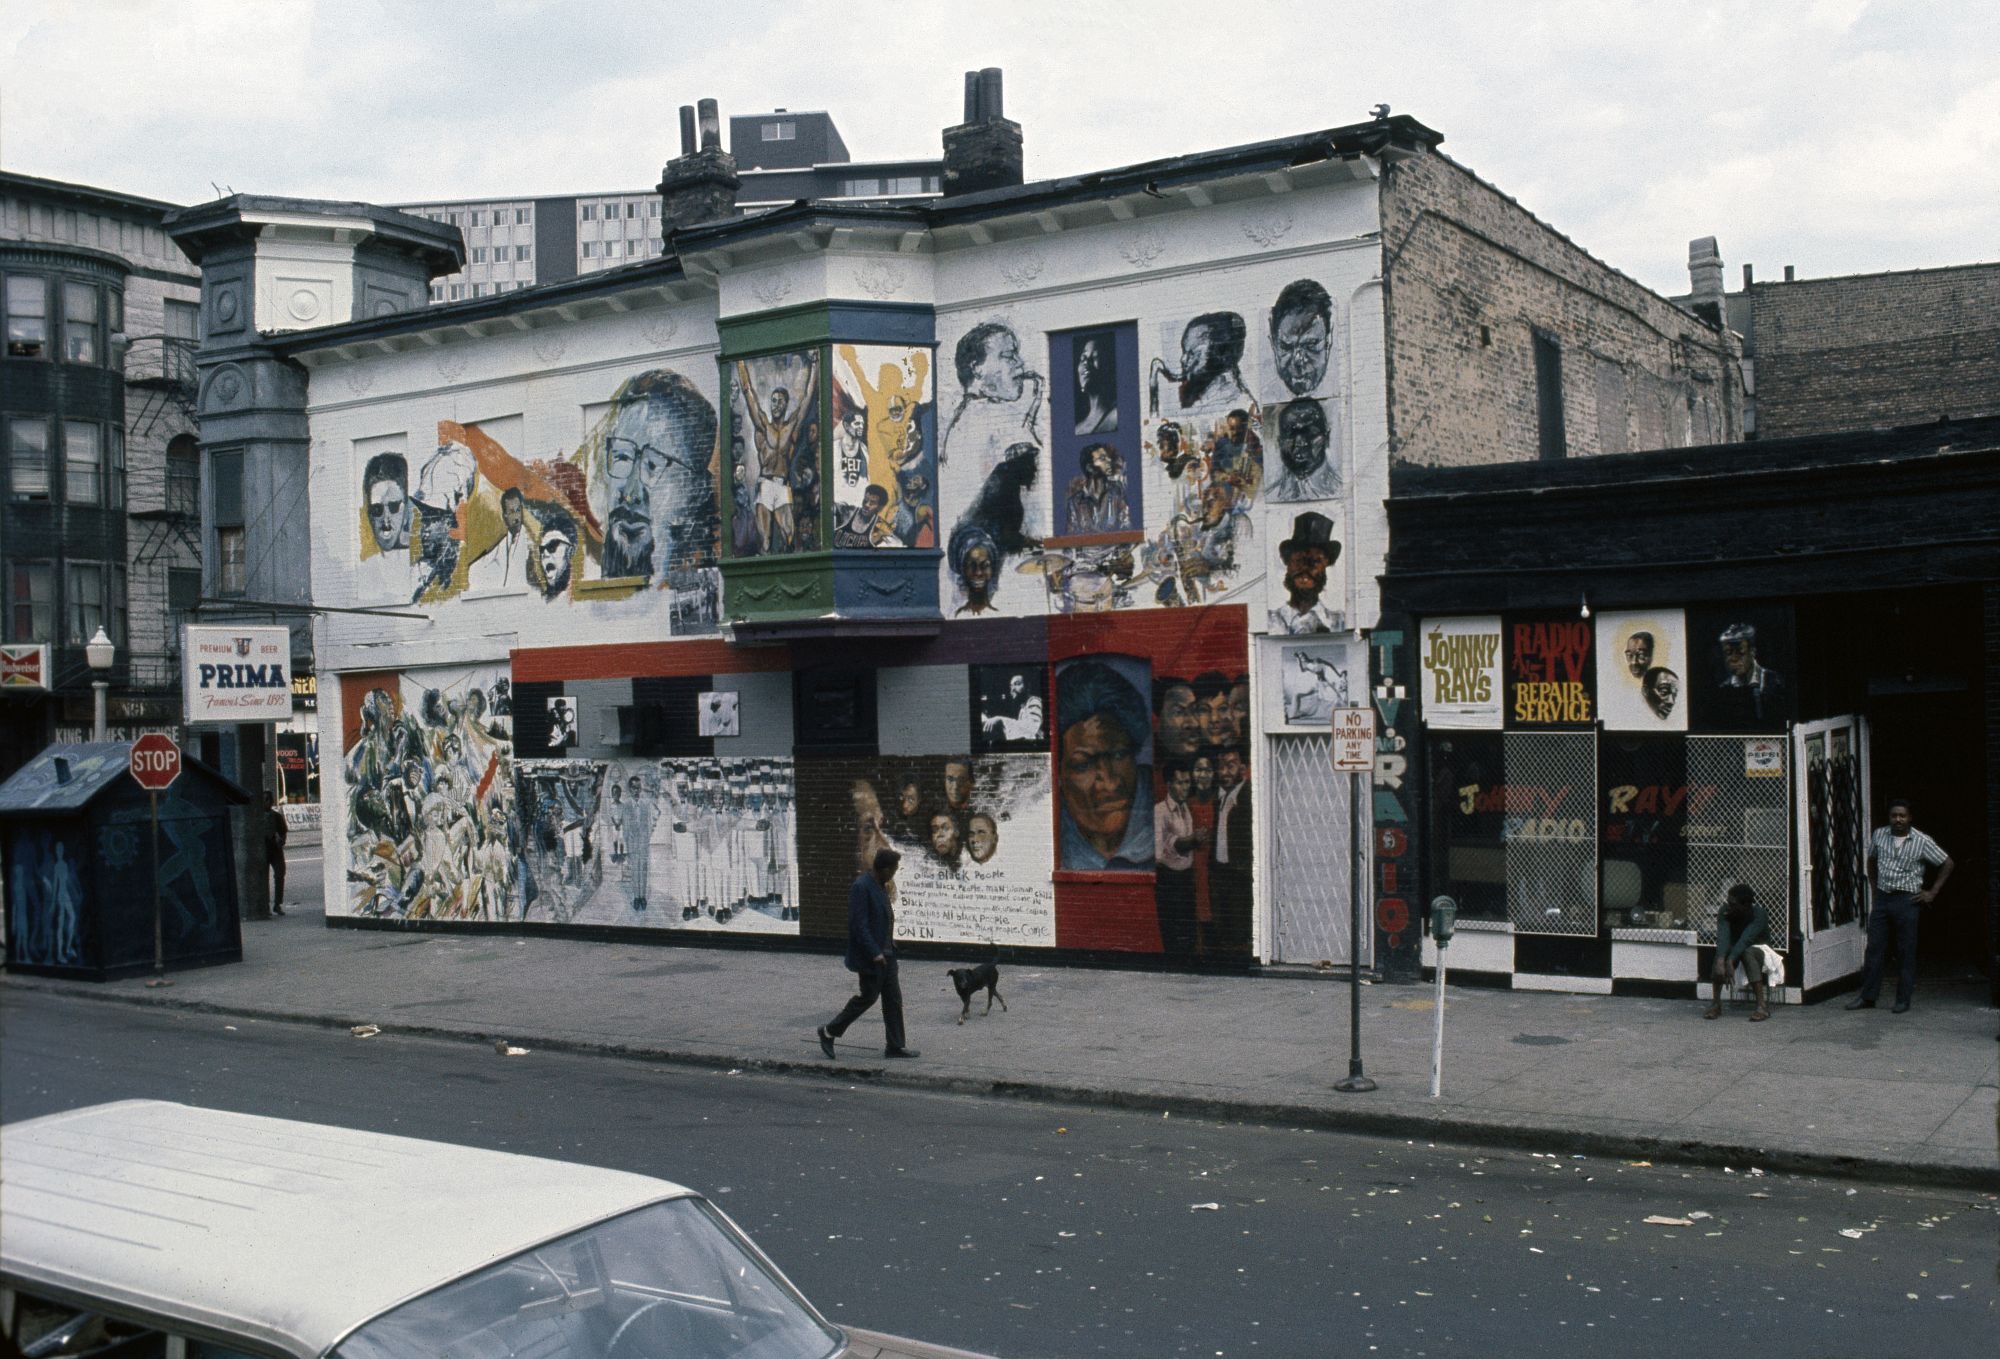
(77, 870)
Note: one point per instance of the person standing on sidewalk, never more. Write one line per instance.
(871, 954)
(1896, 858)
(276, 832)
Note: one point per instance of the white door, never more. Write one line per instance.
(1831, 757)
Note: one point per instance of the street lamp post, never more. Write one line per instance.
(100, 653)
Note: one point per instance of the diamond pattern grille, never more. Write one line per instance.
(1311, 839)
(1743, 834)
(1551, 845)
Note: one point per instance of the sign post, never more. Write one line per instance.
(1354, 755)
(156, 763)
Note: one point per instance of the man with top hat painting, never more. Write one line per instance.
(1306, 556)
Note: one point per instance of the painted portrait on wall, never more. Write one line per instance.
(1745, 667)
(774, 404)
(1096, 440)
(1205, 376)
(563, 733)
(1009, 708)
(1104, 759)
(386, 570)
(1204, 550)
(1302, 339)
(1309, 582)
(1308, 466)
(1202, 842)
(884, 436)
(1642, 669)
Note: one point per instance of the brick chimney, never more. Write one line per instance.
(984, 151)
(700, 184)
(1705, 274)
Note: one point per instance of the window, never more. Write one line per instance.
(183, 321)
(80, 316)
(457, 292)
(183, 589)
(784, 130)
(590, 250)
(227, 468)
(861, 188)
(653, 207)
(83, 463)
(479, 219)
(28, 458)
(520, 216)
(833, 710)
(479, 254)
(31, 602)
(1549, 397)
(114, 467)
(230, 570)
(88, 582)
(27, 301)
(590, 212)
(524, 252)
(184, 477)
(907, 184)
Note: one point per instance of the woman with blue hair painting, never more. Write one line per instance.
(1104, 748)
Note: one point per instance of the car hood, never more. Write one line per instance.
(875, 1345)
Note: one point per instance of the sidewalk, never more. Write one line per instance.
(1816, 1089)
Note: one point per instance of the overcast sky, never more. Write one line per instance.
(1837, 135)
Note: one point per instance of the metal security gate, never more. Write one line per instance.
(1550, 832)
(1742, 832)
(1311, 861)
(1831, 757)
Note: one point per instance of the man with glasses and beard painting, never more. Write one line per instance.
(652, 477)
(390, 572)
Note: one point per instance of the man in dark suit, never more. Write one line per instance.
(1230, 876)
(871, 954)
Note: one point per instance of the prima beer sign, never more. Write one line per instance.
(237, 674)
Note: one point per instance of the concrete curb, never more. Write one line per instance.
(1370, 1122)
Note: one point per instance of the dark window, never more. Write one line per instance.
(1549, 397)
(26, 299)
(665, 716)
(228, 469)
(183, 588)
(83, 463)
(834, 710)
(231, 561)
(88, 582)
(184, 477)
(82, 310)
(31, 602)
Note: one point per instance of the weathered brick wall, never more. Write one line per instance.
(1471, 276)
(1877, 350)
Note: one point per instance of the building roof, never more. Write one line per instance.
(292, 1233)
(84, 194)
(64, 778)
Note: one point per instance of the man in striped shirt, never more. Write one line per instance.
(1896, 858)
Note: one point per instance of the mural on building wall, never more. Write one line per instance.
(1745, 667)
(1094, 432)
(1308, 457)
(774, 413)
(1308, 565)
(973, 832)
(884, 433)
(1201, 813)
(44, 898)
(1551, 670)
(1308, 680)
(701, 843)
(430, 798)
(1642, 666)
(993, 443)
(634, 504)
(1302, 339)
(1461, 670)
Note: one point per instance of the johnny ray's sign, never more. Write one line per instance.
(237, 674)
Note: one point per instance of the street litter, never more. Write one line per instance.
(1857, 1232)
(1658, 1221)
(1698, 1215)
(1204, 1207)
(365, 1030)
(1639, 1163)
(509, 1050)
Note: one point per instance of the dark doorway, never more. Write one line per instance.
(1926, 747)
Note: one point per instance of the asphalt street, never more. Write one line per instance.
(1029, 1230)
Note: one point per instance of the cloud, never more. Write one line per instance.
(1839, 135)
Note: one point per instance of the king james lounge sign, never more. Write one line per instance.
(237, 674)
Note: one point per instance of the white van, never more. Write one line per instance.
(156, 1230)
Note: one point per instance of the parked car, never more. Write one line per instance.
(145, 1228)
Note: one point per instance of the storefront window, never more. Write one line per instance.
(1646, 801)
(1468, 814)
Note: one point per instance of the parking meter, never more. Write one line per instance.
(1444, 915)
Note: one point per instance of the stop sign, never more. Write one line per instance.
(156, 761)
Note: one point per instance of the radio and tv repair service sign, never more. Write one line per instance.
(237, 674)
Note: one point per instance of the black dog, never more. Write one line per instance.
(970, 981)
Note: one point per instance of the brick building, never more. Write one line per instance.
(98, 509)
(1034, 530)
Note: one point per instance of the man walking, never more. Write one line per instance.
(276, 832)
(871, 954)
(1896, 858)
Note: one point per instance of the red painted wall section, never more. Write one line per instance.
(625, 660)
(355, 686)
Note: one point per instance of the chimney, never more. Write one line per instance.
(1788, 273)
(1749, 278)
(984, 151)
(62, 770)
(1705, 274)
(700, 184)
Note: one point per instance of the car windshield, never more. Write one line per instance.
(672, 1279)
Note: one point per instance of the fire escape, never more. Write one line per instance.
(165, 519)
